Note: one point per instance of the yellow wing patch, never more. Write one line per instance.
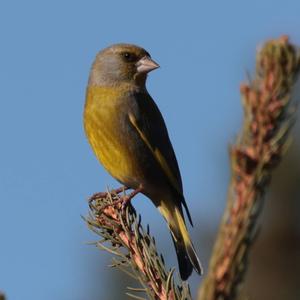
(157, 154)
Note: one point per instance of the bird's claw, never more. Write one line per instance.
(123, 200)
(105, 194)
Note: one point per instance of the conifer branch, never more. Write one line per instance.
(268, 118)
(133, 248)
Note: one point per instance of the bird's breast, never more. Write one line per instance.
(107, 129)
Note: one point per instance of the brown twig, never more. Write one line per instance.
(259, 148)
(133, 248)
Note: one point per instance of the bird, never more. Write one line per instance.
(129, 137)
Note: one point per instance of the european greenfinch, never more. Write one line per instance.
(129, 137)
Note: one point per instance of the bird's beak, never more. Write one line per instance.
(146, 65)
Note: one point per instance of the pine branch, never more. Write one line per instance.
(259, 148)
(133, 248)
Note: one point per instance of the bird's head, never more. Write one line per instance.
(121, 63)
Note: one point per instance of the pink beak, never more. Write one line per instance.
(146, 65)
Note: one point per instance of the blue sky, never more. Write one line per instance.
(47, 167)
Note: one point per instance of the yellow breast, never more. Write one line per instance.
(102, 127)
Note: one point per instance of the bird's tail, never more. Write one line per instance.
(186, 254)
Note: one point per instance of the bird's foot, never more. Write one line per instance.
(105, 194)
(125, 200)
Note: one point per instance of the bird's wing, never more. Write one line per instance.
(173, 178)
(151, 127)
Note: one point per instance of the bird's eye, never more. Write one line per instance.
(129, 56)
